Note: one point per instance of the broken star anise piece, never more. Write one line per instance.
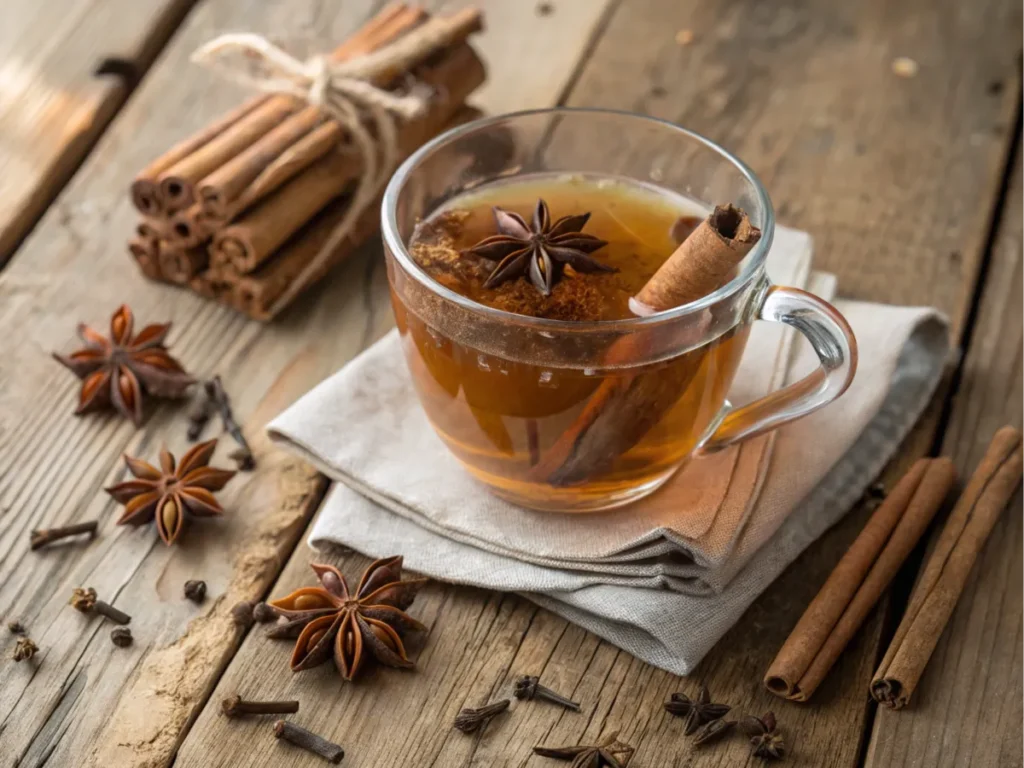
(332, 620)
(171, 493)
(609, 753)
(540, 251)
(765, 740)
(121, 370)
(696, 711)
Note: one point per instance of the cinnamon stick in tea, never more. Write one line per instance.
(942, 581)
(145, 189)
(253, 239)
(222, 191)
(859, 579)
(623, 409)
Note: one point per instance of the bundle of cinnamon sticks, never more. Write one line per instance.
(236, 211)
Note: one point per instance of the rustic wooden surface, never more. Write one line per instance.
(970, 696)
(67, 66)
(897, 179)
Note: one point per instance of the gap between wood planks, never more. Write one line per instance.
(67, 163)
(899, 594)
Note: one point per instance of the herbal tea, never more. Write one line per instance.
(529, 248)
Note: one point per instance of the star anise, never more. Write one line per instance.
(765, 740)
(609, 753)
(172, 492)
(540, 251)
(121, 370)
(331, 619)
(696, 711)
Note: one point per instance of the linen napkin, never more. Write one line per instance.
(667, 576)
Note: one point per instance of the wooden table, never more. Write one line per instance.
(911, 186)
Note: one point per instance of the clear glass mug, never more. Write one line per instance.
(549, 414)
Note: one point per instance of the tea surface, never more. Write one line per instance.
(642, 227)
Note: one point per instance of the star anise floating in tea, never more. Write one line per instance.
(173, 492)
(122, 370)
(696, 711)
(609, 753)
(539, 251)
(351, 626)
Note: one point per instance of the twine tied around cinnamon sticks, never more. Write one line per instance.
(344, 91)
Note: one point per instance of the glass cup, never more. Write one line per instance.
(586, 416)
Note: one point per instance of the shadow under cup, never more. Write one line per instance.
(575, 416)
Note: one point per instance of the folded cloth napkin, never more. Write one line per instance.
(667, 576)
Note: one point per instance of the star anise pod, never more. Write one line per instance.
(331, 619)
(609, 753)
(121, 370)
(696, 711)
(169, 494)
(765, 740)
(540, 251)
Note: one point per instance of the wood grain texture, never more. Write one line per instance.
(83, 701)
(967, 708)
(66, 67)
(793, 93)
(894, 177)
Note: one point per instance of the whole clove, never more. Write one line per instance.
(46, 536)
(469, 720)
(529, 687)
(199, 415)
(24, 649)
(195, 590)
(242, 613)
(309, 741)
(236, 706)
(264, 613)
(121, 637)
(242, 456)
(83, 599)
(15, 627)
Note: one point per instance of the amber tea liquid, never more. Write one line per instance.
(500, 416)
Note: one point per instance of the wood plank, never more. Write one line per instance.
(790, 91)
(86, 702)
(968, 705)
(66, 67)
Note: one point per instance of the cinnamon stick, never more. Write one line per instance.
(177, 180)
(180, 264)
(145, 189)
(146, 256)
(859, 579)
(226, 190)
(624, 408)
(253, 239)
(257, 293)
(177, 183)
(942, 581)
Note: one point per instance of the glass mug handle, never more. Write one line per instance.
(833, 341)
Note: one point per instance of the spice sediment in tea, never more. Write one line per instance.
(498, 415)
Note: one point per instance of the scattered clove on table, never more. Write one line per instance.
(469, 720)
(83, 599)
(309, 741)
